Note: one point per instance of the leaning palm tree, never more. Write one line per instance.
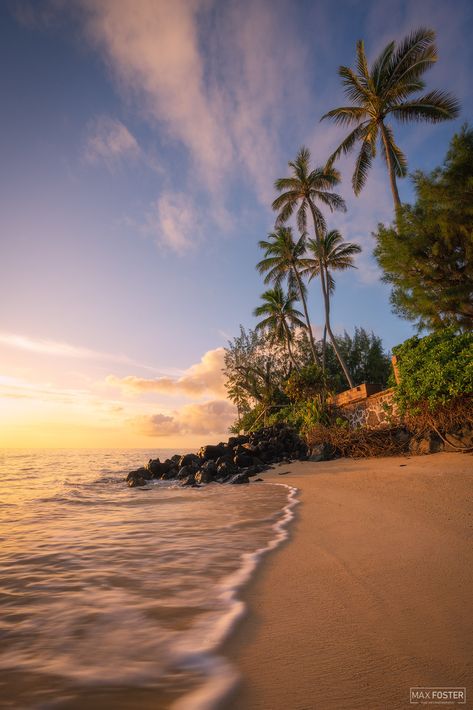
(282, 260)
(300, 193)
(330, 253)
(386, 89)
(280, 317)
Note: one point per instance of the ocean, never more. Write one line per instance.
(119, 598)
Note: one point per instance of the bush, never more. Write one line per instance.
(434, 370)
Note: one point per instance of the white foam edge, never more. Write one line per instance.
(222, 677)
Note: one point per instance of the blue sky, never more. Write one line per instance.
(140, 141)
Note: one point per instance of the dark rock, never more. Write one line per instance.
(428, 444)
(239, 478)
(155, 467)
(188, 480)
(258, 480)
(213, 452)
(243, 460)
(139, 473)
(136, 481)
(238, 440)
(225, 469)
(204, 476)
(224, 459)
(209, 466)
(459, 438)
(186, 471)
(323, 452)
(189, 459)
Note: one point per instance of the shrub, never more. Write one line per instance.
(434, 370)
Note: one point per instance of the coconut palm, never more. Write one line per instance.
(387, 90)
(280, 317)
(283, 260)
(330, 253)
(300, 193)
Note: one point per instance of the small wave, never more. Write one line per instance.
(221, 675)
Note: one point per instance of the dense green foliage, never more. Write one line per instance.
(266, 388)
(428, 256)
(434, 369)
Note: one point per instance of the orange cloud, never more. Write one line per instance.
(205, 377)
(208, 418)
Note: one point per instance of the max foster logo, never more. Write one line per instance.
(437, 696)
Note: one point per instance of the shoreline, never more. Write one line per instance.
(369, 595)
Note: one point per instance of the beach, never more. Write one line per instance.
(370, 595)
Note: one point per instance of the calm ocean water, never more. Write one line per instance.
(120, 598)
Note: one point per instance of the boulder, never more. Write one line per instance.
(189, 459)
(226, 468)
(427, 444)
(188, 480)
(239, 478)
(323, 452)
(238, 440)
(243, 460)
(213, 452)
(137, 481)
(155, 467)
(204, 476)
(185, 471)
(139, 473)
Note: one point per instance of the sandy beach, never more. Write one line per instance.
(371, 594)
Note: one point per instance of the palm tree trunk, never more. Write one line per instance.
(324, 347)
(306, 313)
(326, 296)
(289, 349)
(392, 174)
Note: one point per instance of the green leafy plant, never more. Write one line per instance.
(435, 369)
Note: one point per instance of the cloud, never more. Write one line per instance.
(58, 349)
(208, 418)
(174, 221)
(110, 141)
(205, 377)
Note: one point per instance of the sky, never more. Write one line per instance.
(140, 140)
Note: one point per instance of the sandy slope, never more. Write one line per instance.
(372, 594)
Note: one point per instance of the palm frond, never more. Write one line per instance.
(396, 156)
(346, 115)
(362, 166)
(348, 143)
(362, 65)
(378, 71)
(409, 56)
(433, 107)
(353, 87)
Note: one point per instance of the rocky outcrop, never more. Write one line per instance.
(234, 461)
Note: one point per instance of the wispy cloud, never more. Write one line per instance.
(109, 141)
(42, 346)
(174, 221)
(203, 378)
(208, 418)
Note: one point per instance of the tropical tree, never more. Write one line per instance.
(330, 253)
(427, 257)
(389, 88)
(283, 260)
(300, 193)
(280, 317)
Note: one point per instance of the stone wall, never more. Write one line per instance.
(375, 412)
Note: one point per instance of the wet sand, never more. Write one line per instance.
(371, 595)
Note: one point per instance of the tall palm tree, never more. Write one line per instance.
(300, 192)
(280, 317)
(387, 90)
(282, 260)
(330, 253)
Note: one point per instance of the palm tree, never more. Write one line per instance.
(280, 317)
(330, 253)
(386, 89)
(300, 192)
(283, 260)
